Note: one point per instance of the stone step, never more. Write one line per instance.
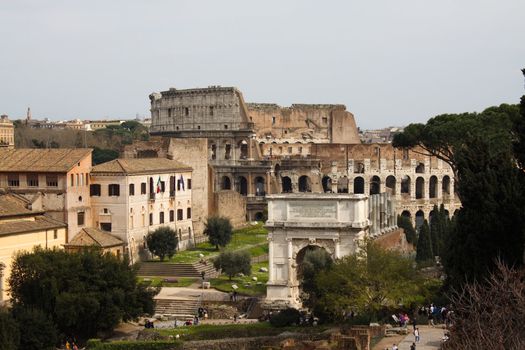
(177, 307)
(177, 270)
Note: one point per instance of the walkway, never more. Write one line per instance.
(430, 338)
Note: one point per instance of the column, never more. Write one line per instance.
(439, 192)
(268, 187)
(413, 187)
(398, 186)
(452, 193)
(426, 186)
(337, 244)
(290, 259)
(250, 185)
(270, 259)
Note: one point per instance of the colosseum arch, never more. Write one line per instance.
(432, 187)
(420, 187)
(445, 185)
(243, 149)
(260, 189)
(420, 218)
(420, 168)
(226, 183)
(342, 185)
(243, 185)
(405, 184)
(305, 184)
(375, 185)
(391, 184)
(286, 184)
(327, 184)
(359, 185)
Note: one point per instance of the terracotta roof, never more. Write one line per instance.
(139, 166)
(41, 160)
(92, 236)
(41, 222)
(13, 205)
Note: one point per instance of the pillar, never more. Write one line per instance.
(452, 193)
(290, 259)
(270, 259)
(439, 192)
(426, 185)
(413, 187)
(337, 244)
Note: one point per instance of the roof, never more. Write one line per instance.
(58, 160)
(40, 223)
(14, 205)
(94, 237)
(140, 166)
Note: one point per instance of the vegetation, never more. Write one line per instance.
(232, 263)
(101, 155)
(484, 150)
(368, 283)
(314, 260)
(219, 230)
(159, 282)
(162, 242)
(9, 332)
(424, 252)
(96, 344)
(285, 318)
(82, 293)
(247, 286)
(37, 329)
(410, 232)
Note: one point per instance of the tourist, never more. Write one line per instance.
(235, 295)
(235, 318)
(414, 323)
(394, 347)
(416, 334)
(413, 346)
(431, 319)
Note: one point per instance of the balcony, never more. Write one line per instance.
(152, 196)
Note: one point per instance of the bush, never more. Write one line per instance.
(286, 317)
(37, 331)
(232, 263)
(162, 242)
(9, 335)
(97, 344)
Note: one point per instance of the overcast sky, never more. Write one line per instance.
(390, 62)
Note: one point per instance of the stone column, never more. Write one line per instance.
(426, 185)
(267, 185)
(413, 187)
(439, 192)
(290, 259)
(452, 193)
(250, 185)
(2, 267)
(270, 259)
(337, 244)
(398, 186)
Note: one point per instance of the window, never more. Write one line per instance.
(105, 211)
(300, 150)
(94, 190)
(211, 111)
(55, 234)
(32, 180)
(51, 180)
(114, 190)
(325, 120)
(225, 126)
(188, 213)
(105, 226)
(161, 217)
(80, 218)
(178, 185)
(290, 150)
(13, 180)
(143, 188)
(77, 182)
(72, 183)
(186, 111)
(189, 184)
(179, 214)
(172, 215)
(131, 189)
(87, 179)
(273, 120)
(163, 186)
(150, 219)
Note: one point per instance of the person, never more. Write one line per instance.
(235, 318)
(416, 334)
(75, 347)
(431, 319)
(196, 320)
(414, 323)
(413, 346)
(394, 347)
(235, 295)
(68, 346)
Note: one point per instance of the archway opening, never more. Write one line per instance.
(243, 148)
(287, 184)
(432, 187)
(310, 260)
(375, 185)
(359, 185)
(259, 216)
(420, 185)
(406, 214)
(445, 185)
(243, 186)
(405, 184)
(259, 186)
(226, 183)
(276, 170)
(327, 184)
(420, 218)
(391, 184)
(342, 185)
(304, 184)
(420, 168)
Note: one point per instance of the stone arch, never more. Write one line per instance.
(432, 187)
(375, 185)
(420, 168)
(305, 185)
(342, 185)
(286, 184)
(226, 183)
(327, 184)
(420, 187)
(420, 218)
(243, 149)
(407, 214)
(405, 184)
(300, 255)
(359, 185)
(260, 189)
(213, 151)
(391, 184)
(243, 185)
(445, 185)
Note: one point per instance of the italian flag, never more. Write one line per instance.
(158, 185)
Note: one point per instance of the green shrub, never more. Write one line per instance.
(286, 317)
(97, 344)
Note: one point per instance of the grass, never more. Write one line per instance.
(252, 238)
(202, 332)
(223, 283)
(158, 282)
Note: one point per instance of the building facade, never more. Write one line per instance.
(54, 180)
(7, 132)
(132, 197)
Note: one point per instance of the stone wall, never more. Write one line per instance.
(232, 205)
(395, 240)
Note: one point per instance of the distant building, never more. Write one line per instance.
(131, 197)
(7, 132)
(98, 239)
(22, 229)
(102, 124)
(56, 180)
(385, 135)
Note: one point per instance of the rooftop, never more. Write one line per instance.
(41, 222)
(59, 160)
(140, 166)
(13, 205)
(94, 237)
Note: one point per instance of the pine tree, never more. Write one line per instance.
(424, 244)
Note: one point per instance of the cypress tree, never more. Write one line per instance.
(424, 244)
(406, 224)
(435, 230)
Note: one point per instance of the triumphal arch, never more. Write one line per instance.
(334, 222)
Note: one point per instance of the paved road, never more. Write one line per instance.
(430, 339)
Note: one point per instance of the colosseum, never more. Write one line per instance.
(249, 150)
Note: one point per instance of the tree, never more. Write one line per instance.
(368, 282)
(424, 244)
(219, 230)
(37, 330)
(162, 242)
(103, 155)
(406, 224)
(490, 315)
(314, 261)
(82, 293)
(232, 263)
(9, 332)
(285, 318)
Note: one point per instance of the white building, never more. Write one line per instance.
(131, 197)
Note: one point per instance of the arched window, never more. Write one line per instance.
(327, 184)
(226, 183)
(243, 186)
(420, 185)
(259, 186)
(420, 218)
(446, 185)
(304, 184)
(375, 185)
(432, 187)
(287, 184)
(420, 168)
(359, 185)
(391, 184)
(405, 184)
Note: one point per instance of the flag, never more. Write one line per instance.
(182, 182)
(158, 185)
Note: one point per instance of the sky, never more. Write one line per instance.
(390, 62)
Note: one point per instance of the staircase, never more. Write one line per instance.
(177, 308)
(177, 270)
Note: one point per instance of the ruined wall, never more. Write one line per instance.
(193, 152)
(344, 129)
(232, 205)
(155, 147)
(395, 240)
